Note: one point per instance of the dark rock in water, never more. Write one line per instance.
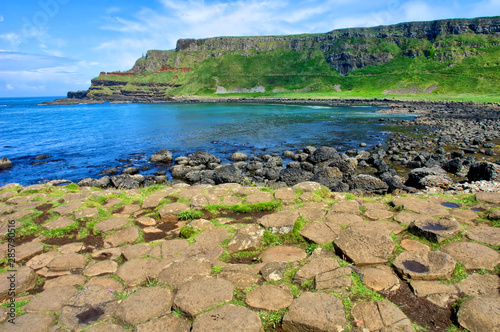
(103, 182)
(227, 174)
(368, 184)
(126, 181)
(291, 176)
(254, 165)
(180, 171)
(238, 156)
(162, 156)
(131, 170)
(39, 163)
(453, 166)
(161, 179)
(457, 154)
(489, 145)
(160, 173)
(42, 156)
(288, 154)
(484, 171)
(294, 164)
(271, 173)
(330, 177)
(273, 161)
(146, 168)
(489, 152)
(5, 163)
(203, 158)
(109, 171)
(324, 153)
(309, 149)
(421, 177)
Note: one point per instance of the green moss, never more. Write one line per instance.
(190, 215)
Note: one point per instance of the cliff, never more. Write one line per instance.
(445, 56)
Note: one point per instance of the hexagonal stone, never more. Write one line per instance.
(23, 277)
(408, 218)
(248, 237)
(202, 293)
(67, 262)
(42, 260)
(106, 327)
(380, 278)
(168, 322)
(312, 211)
(200, 250)
(69, 208)
(137, 270)
(169, 248)
(33, 322)
(315, 267)
(172, 210)
(231, 200)
(338, 281)
(473, 255)
(273, 271)
(351, 207)
(464, 214)
(213, 236)
(50, 300)
(436, 230)
(280, 222)
(286, 195)
(259, 197)
(136, 251)
(145, 304)
(480, 285)
(365, 246)
(152, 201)
(180, 272)
(60, 222)
(307, 186)
(420, 206)
(282, 254)
(87, 213)
(485, 234)
(28, 250)
(424, 265)
(88, 306)
(320, 232)
(127, 235)
(379, 214)
(412, 245)
(422, 288)
(488, 197)
(100, 268)
(228, 318)
(71, 248)
(315, 312)
(269, 297)
(109, 253)
(67, 280)
(478, 314)
(111, 224)
(344, 219)
(106, 282)
(380, 316)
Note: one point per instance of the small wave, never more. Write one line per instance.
(319, 107)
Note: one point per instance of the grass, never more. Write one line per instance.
(270, 319)
(190, 215)
(459, 274)
(243, 208)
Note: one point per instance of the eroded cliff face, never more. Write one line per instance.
(302, 62)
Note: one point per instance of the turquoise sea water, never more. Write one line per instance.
(83, 140)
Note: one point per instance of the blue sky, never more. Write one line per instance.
(48, 47)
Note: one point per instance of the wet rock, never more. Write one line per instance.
(228, 318)
(478, 314)
(367, 246)
(145, 304)
(5, 163)
(269, 297)
(473, 255)
(435, 230)
(202, 293)
(315, 312)
(162, 156)
(424, 265)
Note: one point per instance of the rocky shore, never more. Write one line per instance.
(234, 258)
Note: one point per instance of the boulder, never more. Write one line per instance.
(421, 178)
(203, 158)
(330, 177)
(126, 181)
(5, 163)
(238, 156)
(368, 184)
(293, 176)
(484, 171)
(227, 174)
(162, 156)
(322, 154)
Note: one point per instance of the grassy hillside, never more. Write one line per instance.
(464, 66)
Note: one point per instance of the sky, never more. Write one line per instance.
(49, 47)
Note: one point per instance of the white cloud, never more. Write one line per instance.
(1, 18)
(113, 10)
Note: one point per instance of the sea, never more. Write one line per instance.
(83, 140)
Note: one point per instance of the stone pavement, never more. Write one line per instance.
(234, 258)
